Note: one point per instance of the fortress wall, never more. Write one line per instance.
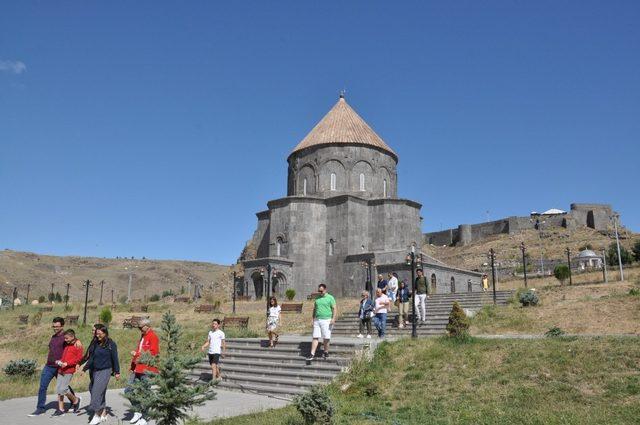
(443, 237)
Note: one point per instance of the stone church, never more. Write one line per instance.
(341, 220)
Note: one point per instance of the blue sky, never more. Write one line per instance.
(159, 129)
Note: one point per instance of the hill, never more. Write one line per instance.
(148, 276)
(551, 244)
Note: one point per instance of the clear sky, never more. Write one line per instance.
(159, 129)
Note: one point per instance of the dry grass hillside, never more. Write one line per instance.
(148, 277)
(507, 247)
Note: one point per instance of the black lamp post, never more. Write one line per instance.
(234, 292)
(368, 285)
(524, 262)
(101, 289)
(66, 297)
(492, 254)
(87, 284)
(568, 251)
(411, 261)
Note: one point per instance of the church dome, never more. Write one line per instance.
(343, 126)
(587, 253)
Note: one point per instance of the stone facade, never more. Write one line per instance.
(341, 211)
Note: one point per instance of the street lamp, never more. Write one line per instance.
(87, 284)
(568, 251)
(615, 226)
(524, 262)
(412, 261)
(604, 266)
(234, 292)
(492, 256)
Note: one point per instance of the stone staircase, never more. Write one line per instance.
(251, 366)
(438, 309)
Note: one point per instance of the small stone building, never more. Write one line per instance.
(341, 219)
(588, 259)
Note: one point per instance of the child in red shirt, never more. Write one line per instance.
(71, 356)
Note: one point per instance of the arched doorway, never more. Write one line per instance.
(453, 285)
(278, 283)
(434, 283)
(258, 284)
(469, 286)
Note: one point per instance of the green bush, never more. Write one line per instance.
(612, 255)
(105, 316)
(290, 294)
(154, 298)
(51, 296)
(554, 332)
(561, 272)
(315, 406)
(458, 326)
(21, 367)
(42, 299)
(529, 298)
(636, 250)
(634, 292)
(58, 298)
(167, 293)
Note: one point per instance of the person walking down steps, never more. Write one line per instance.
(365, 313)
(324, 316)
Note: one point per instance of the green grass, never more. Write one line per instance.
(436, 381)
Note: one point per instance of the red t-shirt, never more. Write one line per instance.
(71, 356)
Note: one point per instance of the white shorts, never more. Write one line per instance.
(322, 328)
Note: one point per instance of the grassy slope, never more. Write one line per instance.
(434, 381)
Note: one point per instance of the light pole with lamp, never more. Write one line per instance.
(492, 255)
(615, 226)
(604, 266)
(86, 285)
(234, 292)
(524, 262)
(411, 261)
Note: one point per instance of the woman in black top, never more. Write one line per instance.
(102, 363)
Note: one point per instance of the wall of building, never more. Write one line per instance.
(347, 162)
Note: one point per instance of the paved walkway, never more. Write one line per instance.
(226, 404)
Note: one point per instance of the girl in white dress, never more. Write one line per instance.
(273, 321)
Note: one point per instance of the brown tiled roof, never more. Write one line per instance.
(342, 125)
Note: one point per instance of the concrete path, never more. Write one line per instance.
(226, 404)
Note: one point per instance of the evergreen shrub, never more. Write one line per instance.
(529, 298)
(290, 294)
(21, 367)
(315, 406)
(458, 326)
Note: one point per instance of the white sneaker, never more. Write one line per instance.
(368, 336)
(360, 336)
(96, 420)
(142, 421)
(104, 418)
(136, 417)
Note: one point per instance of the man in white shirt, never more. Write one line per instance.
(392, 286)
(382, 304)
(217, 347)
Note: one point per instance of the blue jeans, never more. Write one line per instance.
(48, 373)
(380, 321)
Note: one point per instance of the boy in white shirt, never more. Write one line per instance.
(217, 347)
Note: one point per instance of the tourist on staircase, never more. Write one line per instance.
(324, 317)
(217, 347)
(402, 302)
(382, 304)
(382, 284)
(364, 314)
(272, 321)
(422, 290)
(392, 286)
(149, 343)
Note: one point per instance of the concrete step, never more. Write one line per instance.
(249, 363)
(287, 393)
(288, 383)
(284, 342)
(284, 358)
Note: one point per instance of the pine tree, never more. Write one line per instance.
(458, 326)
(168, 395)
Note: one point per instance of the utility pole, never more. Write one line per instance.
(112, 302)
(234, 292)
(101, 289)
(524, 263)
(615, 225)
(28, 290)
(52, 295)
(604, 266)
(87, 284)
(568, 251)
(66, 297)
(492, 254)
(14, 296)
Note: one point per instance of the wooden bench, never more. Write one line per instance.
(313, 296)
(204, 308)
(47, 308)
(235, 322)
(23, 319)
(71, 320)
(291, 307)
(132, 322)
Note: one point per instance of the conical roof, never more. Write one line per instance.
(343, 126)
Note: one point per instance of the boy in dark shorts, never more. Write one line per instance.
(217, 347)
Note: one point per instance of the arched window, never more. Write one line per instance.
(332, 246)
(279, 242)
(384, 188)
(361, 182)
(453, 285)
(434, 283)
(304, 187)
(333, 181)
